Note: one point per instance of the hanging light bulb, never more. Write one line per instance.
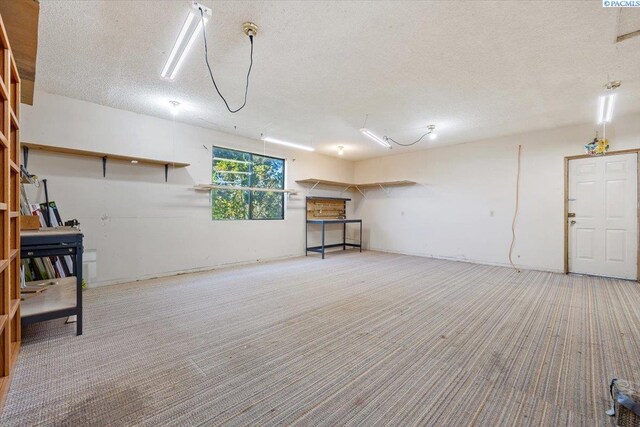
(340, 150)
(175, 105)
(432, 132)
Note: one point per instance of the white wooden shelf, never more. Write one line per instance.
(347, 186)
(26, 146)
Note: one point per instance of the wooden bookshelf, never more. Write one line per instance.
(9, 219)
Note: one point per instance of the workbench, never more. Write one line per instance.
(48, 242)
(321, 249)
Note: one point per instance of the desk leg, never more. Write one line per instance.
(323, 240)
(344, 236)
(306, 238)
(78, 273)
(361, 236)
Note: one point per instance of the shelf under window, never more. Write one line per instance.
(208, 187)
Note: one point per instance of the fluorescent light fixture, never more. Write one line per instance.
(376, 138)
(605, 107)
(289, 144)
(190, 30)
(607, 101)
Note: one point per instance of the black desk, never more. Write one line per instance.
(321, 249)
(55, 242)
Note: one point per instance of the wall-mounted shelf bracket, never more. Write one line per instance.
(361, 192)
(166, 172)
(345, 190)
(104, 166)
(386, 190)
(314, 186)
(25, 156)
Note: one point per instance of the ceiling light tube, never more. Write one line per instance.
(605, 107)
(190, 31)
(376, 138)
(609, 114)
(195, 34)
(288, 144)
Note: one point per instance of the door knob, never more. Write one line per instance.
(572, 222)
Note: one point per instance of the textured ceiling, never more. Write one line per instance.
(474, 69)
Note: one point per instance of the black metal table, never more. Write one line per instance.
(56, 242)
(321, 249)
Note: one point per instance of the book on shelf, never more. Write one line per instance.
(46, 268)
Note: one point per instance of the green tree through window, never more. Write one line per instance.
(235, 168)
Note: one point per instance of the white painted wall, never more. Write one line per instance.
(138, 225)
(463, 206)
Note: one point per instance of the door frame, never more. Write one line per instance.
(566, 202)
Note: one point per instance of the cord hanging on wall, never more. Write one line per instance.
(516, 211)
(250, 29)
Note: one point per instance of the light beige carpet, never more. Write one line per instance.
(357, 339)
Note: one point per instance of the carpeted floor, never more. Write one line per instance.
(357, 339)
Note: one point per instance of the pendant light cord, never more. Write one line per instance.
(515, 213)
(206, 58)
(386, 138)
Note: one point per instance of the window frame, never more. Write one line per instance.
(250, 218)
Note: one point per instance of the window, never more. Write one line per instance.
(241, 169)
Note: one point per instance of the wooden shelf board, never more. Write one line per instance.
(13, 69)
(386, 184)
(14, 119)
(14, 214)
(4, 263)
(207, 187)
(4, 93)
(13, 307)
(13, 165)
(324, 182)
(56, 297)
(3, 206)
(3, 140)
(22, 29)
(109, 156)
(15, 351)
(355, 187)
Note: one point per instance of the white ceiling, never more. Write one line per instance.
(474, 69)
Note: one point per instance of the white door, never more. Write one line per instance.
(603, 234)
